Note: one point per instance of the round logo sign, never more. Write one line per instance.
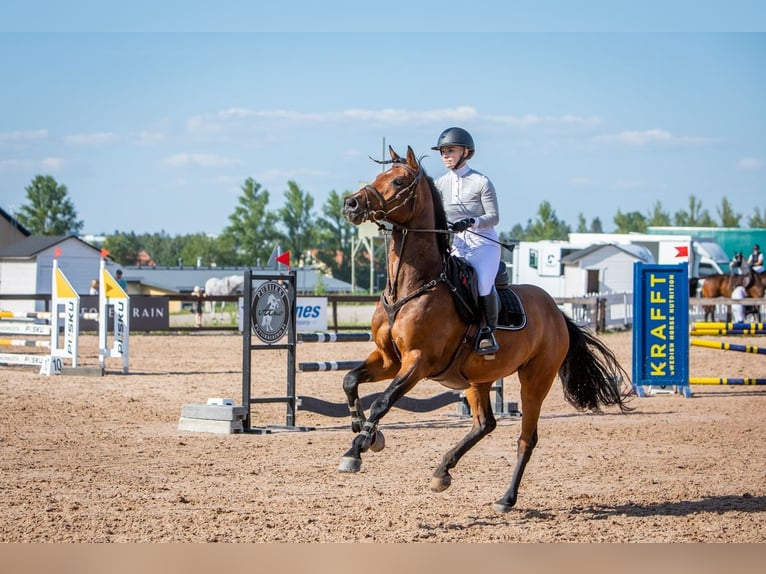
(270, 312)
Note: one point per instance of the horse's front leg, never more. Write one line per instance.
(369, 436)
(372, 369)
(483, 423)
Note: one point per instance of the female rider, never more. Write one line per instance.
(471, 205)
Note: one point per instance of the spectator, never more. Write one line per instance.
(93, 287)
(198, 294)
(755, 260)
(120, 281)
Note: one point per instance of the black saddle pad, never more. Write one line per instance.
(511, 316)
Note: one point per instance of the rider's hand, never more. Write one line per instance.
(463, 224)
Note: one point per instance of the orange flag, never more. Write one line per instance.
(104, 253)
(56, 252)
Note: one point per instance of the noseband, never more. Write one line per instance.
(401, 199)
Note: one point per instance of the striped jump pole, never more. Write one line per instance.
(728, 346)
(702, 332)
(725, 381)
(334, 337)
(328, 366)
(24, 343)
(723, 325)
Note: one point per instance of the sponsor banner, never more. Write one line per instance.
(311, 314)
(147, 313)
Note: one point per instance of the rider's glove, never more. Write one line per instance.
(463, 224)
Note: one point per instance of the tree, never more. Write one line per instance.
(252, 229)
(758, 219)
(50, 211)
(727, 216)
(657, 217)
(297, 218)
(695, 217)
(547, 225)
(627, 222)
(335, 235)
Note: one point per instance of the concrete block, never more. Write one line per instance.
(211, 426)
(82, 371)
(213, 412)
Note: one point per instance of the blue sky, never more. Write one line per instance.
(153, 117)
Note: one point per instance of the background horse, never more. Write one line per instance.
(216, 286)
(721, 285)
(418, 333)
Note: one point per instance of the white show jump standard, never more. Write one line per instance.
(64, 314)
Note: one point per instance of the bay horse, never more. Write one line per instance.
(721, 285)
(419, 333)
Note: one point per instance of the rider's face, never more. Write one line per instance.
(452, 155)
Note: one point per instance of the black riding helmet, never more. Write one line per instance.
(456, 137)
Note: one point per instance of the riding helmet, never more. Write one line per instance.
(456, 137)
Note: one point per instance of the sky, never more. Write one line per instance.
(153, 115)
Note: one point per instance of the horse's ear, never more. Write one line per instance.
(394, 155)
(412, 161)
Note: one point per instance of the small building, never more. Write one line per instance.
(26, 267)
(11, 231)
(602, 269)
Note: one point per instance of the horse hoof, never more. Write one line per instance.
(502, 507)
(441, 483)
(378, 442)
(350, 464)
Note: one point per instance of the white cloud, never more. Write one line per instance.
(95, 138)
(653, 136)
(578, 181)
(147, 138)
(531, 120)
(749, 164)
(18, 136)
(628, 184)
(48, 163)
(198, 159)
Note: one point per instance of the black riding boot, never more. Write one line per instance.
(486, 344)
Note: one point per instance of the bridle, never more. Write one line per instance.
(401, 199)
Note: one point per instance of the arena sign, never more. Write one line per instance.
(270, 312)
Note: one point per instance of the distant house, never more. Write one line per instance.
(26, 267)
(11, 231)
(603, 268)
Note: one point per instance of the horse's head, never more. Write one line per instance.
(392, 196)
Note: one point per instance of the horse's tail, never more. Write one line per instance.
(591, 375)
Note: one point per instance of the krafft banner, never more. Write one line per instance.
(660, 327)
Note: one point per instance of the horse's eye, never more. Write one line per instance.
(398, 182)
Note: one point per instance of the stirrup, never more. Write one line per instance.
(486, 344)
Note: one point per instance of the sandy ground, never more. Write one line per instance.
(101, 459)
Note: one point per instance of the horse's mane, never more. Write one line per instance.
(440, 216)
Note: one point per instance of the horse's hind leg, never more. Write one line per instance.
(483, 423)
(534, 389)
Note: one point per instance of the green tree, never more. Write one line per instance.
(252, 228)
(297, 218)
(335, 235)
(547, 225)
(657, 217)
(631, 221)
(727, 216)
(757, 220)
(695, 217)
(49, 211)
(123, 247)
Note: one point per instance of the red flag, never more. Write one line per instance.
(284, 259)
(104, 253)
(682, 251)
(56, 252)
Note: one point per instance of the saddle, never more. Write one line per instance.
(462, 279)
